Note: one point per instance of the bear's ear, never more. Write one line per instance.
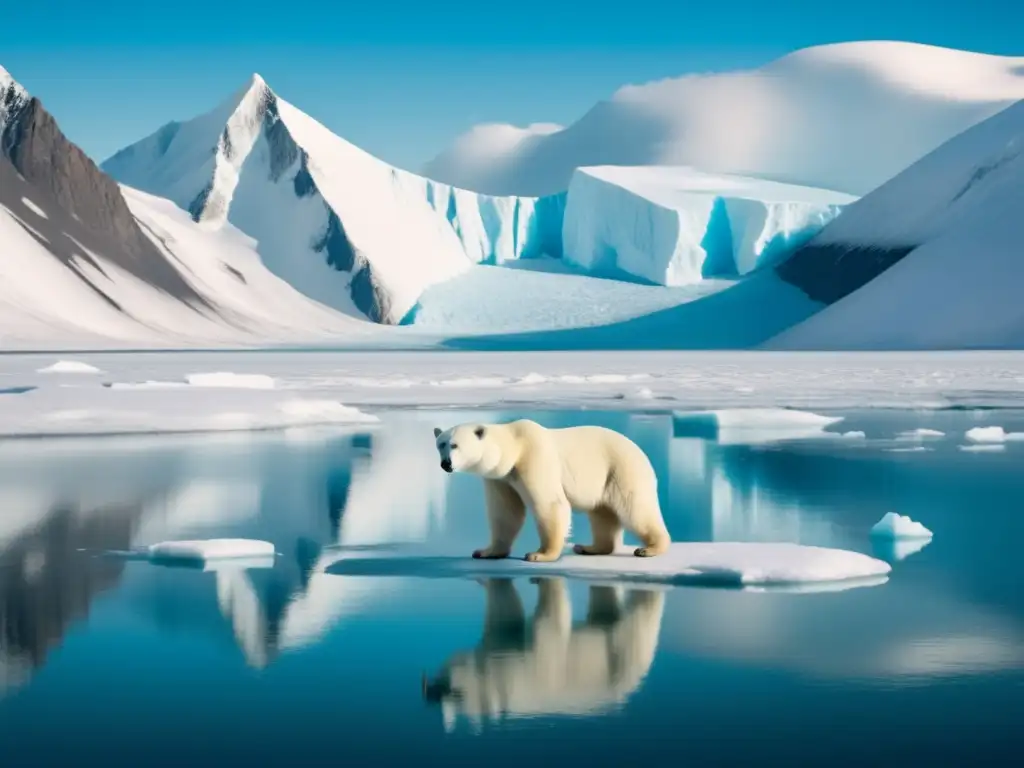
(479, 432)
(437, 433)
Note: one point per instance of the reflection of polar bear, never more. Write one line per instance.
(553, 471)
(551, 667)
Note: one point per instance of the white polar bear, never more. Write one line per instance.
(553, 471)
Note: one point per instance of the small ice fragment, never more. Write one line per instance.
(920, 434)
(210, 549)
(896, 526)
(69, 366)
(854, 435)
(233, 380)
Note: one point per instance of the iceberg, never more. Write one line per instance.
(677, 226)
(731, 564)
(896, 526)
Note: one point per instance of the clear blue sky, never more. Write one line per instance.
(401, 79)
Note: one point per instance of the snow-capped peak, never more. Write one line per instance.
(13, 97)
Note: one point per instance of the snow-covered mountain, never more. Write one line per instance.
(932, 259)
(339, 225)
(845, 117)
(86, 262)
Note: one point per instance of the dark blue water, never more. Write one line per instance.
(129, 663)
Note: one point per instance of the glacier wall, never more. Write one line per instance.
(677, 226)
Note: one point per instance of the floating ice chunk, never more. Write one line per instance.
(853, 435)
(210, 549)
(992, 435)
(233, 380)
(920, 434)
(896, 526)
(533, 378)
(982, 448)
(911, 449)
(323, 411)
(69, 366)
(735, 564)
(750, 426)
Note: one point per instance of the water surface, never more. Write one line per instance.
(130, 663)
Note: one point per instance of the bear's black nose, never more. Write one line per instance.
(446, 465)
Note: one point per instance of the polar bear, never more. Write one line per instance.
(551, 472)
(552, 665)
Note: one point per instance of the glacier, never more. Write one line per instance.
(677, 226)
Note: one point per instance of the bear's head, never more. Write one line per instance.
(466, 448)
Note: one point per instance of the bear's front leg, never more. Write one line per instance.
(506, 514)
(553, 527)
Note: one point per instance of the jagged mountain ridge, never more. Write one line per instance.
(340, 225)
(83, 206)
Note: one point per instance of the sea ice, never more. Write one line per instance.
(751, 426)
(920, 434)
(896, 526)
(69, 366)
(735, 564)
(228, 379)
(210, 549)
(992, 435)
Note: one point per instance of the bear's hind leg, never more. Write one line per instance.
(506, 514)
(655, 540)
(606, 531)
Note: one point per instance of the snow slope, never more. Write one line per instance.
(339, 225)
(489, 299)
(845, 116)
(677, 226)
(951, 226)
(43, 304)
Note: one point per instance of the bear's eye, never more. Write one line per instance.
(454, 446)
(479, 433)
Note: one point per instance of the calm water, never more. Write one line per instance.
(130, 663)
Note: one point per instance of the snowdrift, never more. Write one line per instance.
(846, 116)
(930, 260)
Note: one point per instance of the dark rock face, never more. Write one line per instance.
(38, 162)
(827, 273)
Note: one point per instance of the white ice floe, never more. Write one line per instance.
(228, 379)
(750, 426)
(149, 410)
(853, 435)
(910, 449)
(210, 549)
(920, 434)
(992, 435)
(69, 366)
(735, 564)
(983, 448)
(896, 526)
